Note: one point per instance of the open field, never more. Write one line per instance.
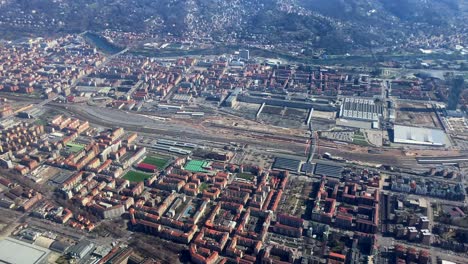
(296, 112)
(203, 186)
(324, 115)
(136, 176)
(283, 116)
(359, 139)
(159, 162)
(40, 122)
(245, 176)
(74, 147)
(273, 110)
(423, 119)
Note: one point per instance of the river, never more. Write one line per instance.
(101, 43)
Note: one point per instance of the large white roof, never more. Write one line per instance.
(18, 252)
(420, 136)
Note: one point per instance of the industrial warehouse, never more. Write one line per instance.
(419, 136)
(29, 254)
(361, 109)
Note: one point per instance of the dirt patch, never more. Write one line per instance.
(420, 119)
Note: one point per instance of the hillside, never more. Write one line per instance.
(337, 25)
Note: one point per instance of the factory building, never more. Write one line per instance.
(361, 109)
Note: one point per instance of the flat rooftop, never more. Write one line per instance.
(13, 251)
(361, 109)
(196, 165)
(287, 164)
(419, 136)
(328, 170)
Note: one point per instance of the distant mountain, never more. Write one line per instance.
(418, 11)
(337, 25)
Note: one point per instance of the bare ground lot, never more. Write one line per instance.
(324, 115)
(421, 119)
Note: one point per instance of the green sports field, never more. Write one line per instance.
(74, 147)
(159, 162)
(136, 176)
(196, 165)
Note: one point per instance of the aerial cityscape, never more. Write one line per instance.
(242, 131)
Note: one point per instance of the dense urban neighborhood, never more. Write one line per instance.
(123, 146)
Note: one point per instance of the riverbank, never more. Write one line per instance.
(101, 43)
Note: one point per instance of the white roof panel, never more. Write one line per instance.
(17, 252)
